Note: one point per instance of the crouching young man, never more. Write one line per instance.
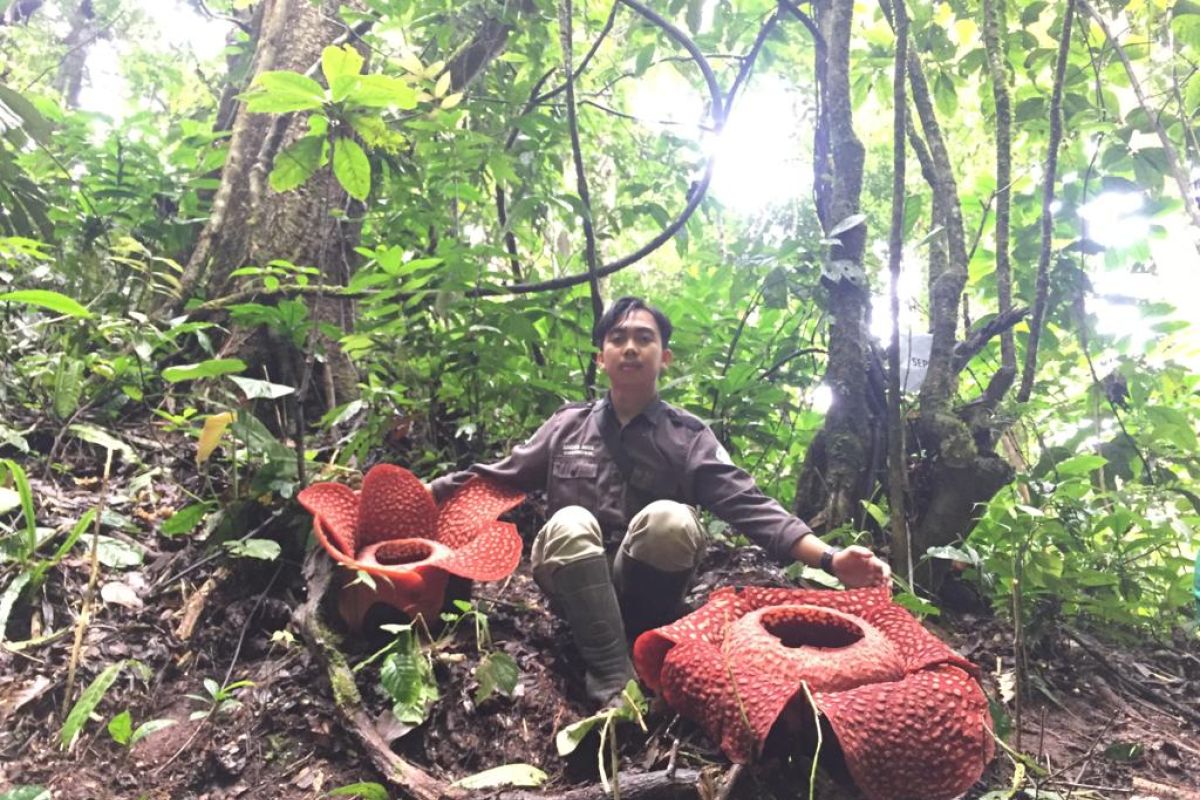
(623, 477)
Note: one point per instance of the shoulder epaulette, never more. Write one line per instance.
(570, 406)
(689, 421)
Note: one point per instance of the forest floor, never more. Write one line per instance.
(1104, 716)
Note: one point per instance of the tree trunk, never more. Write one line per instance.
(251, 224)
(85, 27)
(837, 469)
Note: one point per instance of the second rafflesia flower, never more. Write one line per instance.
(394, 531)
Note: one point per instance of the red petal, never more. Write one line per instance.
(931, 730)
(319, 530)
(492, 555)
(478, 502)
(903, 705)
(394, 505)
(336, 505)
(695, 683)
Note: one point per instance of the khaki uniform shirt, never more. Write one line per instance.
(674, 456)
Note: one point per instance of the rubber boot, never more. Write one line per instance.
(649, 597)
(584, 593)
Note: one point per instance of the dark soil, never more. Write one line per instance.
(1100, 719)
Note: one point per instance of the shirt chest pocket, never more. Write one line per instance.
(575, 467)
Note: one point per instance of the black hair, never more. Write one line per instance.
(621, 308)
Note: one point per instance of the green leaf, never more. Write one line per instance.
(9, 499)
(25, 493)
(26, 793)
(569, 738)
(86, 704)
(255, 389)
(507, 775)
(1125, 752)
(120, 727)
(117, 554)
(185, 519)
(383, 91)
(407, 676)
(497, 671)
(282, 92)
(148, 727)
(264, 549)
(365, 791)
(852, 221)
(98, 436)
(352, 168)
(205, 369)
(52, 301)
(68, 385)
(9, 598)
(32, 122)
(1080, 465)
(339, 61)
(296, 163)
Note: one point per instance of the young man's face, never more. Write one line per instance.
(632, 354)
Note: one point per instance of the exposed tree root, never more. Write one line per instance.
(661, 785)
(410, 779)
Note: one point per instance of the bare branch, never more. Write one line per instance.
(1051, 175)
(1169, 149)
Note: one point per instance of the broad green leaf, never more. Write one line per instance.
(118, 554)
(282, 92)
(9, 499)
(32, 121)
(148, 727)
(507, 775)
(185, 519)
(383, 91)
(497, 671)
(52, 301)
(263, 549)
(86, 704)
(296, 163)
(1125, 752)
(68, 385)
(26, 793)
(363, 791)
(338, 61)
(98, 436)
(916, 605)
(205, 369)
(352, 168)
(255, 389)
(25, 495)
(9, 598)
(569, 738)
(407, 676)
(1081, 465)
(120, 727)
(950, 554)
(852, 221)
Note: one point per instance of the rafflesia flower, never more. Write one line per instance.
(393, 530)
(907, 712)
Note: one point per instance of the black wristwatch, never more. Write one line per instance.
(827, 559)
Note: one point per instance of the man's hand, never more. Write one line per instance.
(857, 566)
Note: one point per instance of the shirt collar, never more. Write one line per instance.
(653, 412)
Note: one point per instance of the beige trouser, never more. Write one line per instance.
(664, 535)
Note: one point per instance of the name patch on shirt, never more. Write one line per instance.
(578, 450)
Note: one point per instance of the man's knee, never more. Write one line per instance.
(667, 536)
(570, 535)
